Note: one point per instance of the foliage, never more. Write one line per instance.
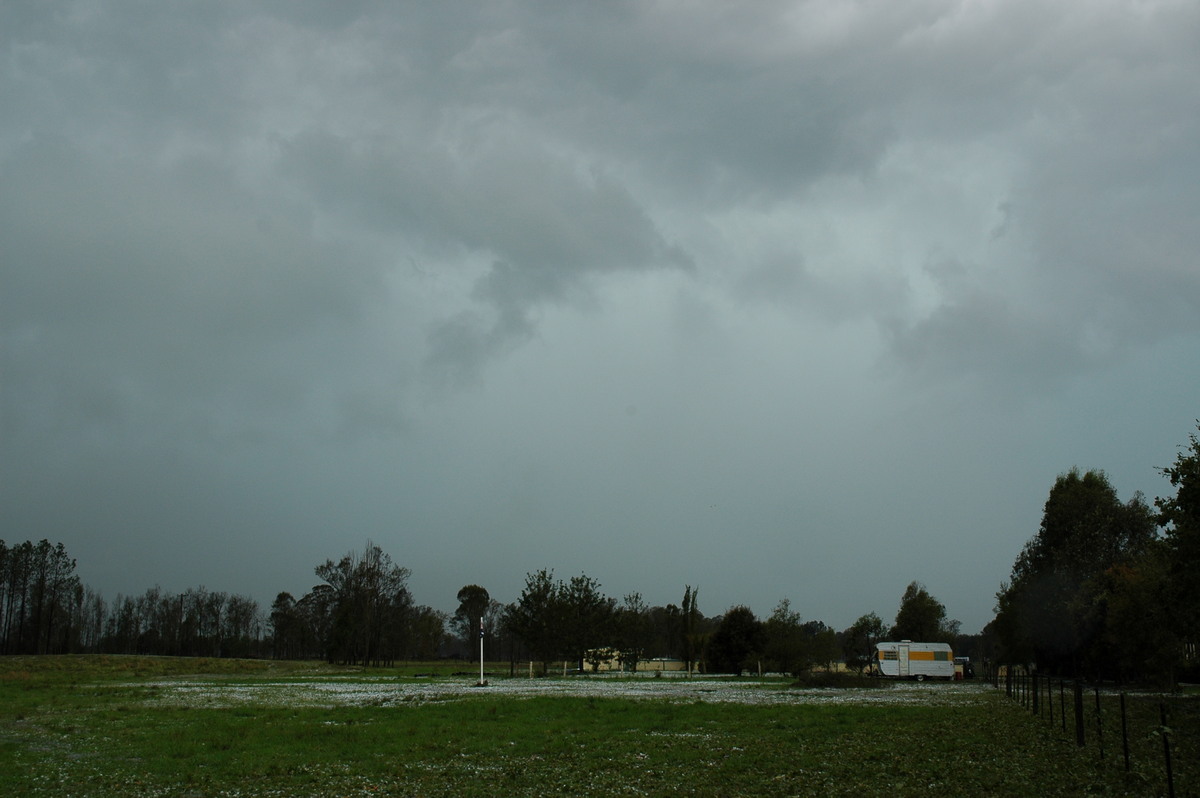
(44, 608)
(859, 639)
(922, 617)
(1179, 515)
(367, 613)
(560, 620)
(469, 618)
(1054, 609)
(693, 637)
(195, 623)
(1130, 613)
(821, 646)
(632, 630)
(737, 643)
(795, 647)
(362, 613)
(477, 611)
(839, 680)
(784, 647)
(587, 616)
(534, 617)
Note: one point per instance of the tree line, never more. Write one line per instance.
(46, 609)
(1108, 589)
(575, 621)
(1105, 589)
(362, 612)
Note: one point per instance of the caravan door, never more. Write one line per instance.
(902, 660)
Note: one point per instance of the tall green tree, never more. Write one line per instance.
(1179, 516)
(691, 628)
(784, 640)
(737, 642)
(632, 630)
(286, 627)
(474, 602)
(921, 617)
(1050, 611)
(371, 607)
(558, 620)
(39, 594)
(427, 632)
(535, 617)
(859, 639)
(586, 617)
(821, 644)
(1131, 612)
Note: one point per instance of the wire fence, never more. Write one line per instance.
(1153, 737)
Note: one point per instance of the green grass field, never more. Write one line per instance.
(115, 726)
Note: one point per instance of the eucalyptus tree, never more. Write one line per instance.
(477, 612)
(286, 628)
(370, 608)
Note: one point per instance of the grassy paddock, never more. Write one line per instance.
(84, 726)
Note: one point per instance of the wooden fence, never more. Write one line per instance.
(1154, 737)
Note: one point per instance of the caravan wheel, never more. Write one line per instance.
(920, 677)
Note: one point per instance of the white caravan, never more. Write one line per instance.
(909, 660)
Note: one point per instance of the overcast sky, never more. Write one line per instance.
(774, 299)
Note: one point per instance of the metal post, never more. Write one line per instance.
(1162, 714)
(1062, 702)
(1124, 734)
(1079, 714)
(1099, 725)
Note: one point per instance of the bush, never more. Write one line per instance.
(843, 680)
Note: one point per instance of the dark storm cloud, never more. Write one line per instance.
(543, 225)
(796, 298)
(174, 281)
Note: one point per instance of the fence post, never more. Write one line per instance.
(1099, 725)
(1124, 733)
(1050, 699)
(1079, 714)
(1036, 690)
(1162, 714)
(1062, 703)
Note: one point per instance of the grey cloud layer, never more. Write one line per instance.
(781, 235)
